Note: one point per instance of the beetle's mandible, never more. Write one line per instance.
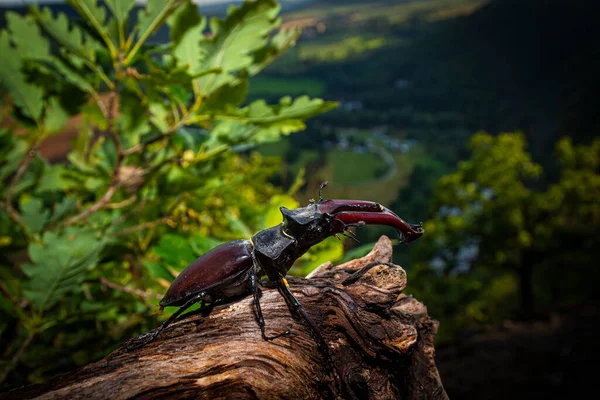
(232, 269)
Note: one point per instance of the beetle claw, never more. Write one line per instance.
(138, 342)
(351, 235)
(286, 332)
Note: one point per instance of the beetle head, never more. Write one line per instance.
(306, 224)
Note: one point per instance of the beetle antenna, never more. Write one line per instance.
(321, 190)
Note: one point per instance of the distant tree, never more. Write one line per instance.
(492, 225)
(159, 172)
(569, 226)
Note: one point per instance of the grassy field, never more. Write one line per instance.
(362, 176)
(341, 48)
(392, 10)
(357, 29)
(352, 175)
(349, 168)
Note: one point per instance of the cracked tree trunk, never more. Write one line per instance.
(380, 341)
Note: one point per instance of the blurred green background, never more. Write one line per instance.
(137, 137)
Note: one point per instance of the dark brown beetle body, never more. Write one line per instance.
(232, 269)
(213, 273)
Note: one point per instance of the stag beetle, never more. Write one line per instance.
(232, 269)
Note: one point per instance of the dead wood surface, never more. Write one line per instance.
(381, 344)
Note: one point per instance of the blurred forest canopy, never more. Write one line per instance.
(159, 172)
(502, 244)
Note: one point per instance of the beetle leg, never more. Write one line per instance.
(261, 319)
(129, 345)
(284, 289)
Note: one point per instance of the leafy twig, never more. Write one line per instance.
(90, 64)
(124, 289)
(123, 203)
(12, 213)
(111, 123)
(7, 206)
(167, 9)
(101, 106)
(115, 184)
(17, 356)
(124, 217)
(97, 206)
(84, 9)
(140, 146)
(185, 118)
(142, 226)
(21, 171)
(5, 293)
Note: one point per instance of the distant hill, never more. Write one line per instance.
(542, 57)
(512, 64)
(528, 65)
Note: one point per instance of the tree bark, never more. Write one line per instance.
(380, 342)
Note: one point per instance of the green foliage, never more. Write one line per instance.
(88, 246)
(497, 243)
(187, 26)
(25, 95)
(71, 37)
(59, 266)
(34, 216)
(495, 182)
(235, 39)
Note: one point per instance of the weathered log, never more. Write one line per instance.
(380, 340)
